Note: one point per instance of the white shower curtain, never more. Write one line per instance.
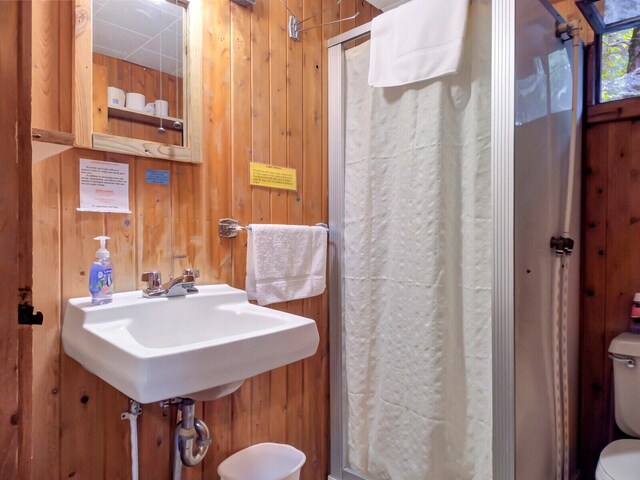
(417, 303)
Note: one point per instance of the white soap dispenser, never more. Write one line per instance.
(101, 274)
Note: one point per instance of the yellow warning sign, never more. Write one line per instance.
(262, 175)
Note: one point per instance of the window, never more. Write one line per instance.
(620, 64)
(617, 27)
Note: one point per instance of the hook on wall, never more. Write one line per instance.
(295, 30)
(295, 22)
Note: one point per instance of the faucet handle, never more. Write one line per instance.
(153, 279)
(190, 271)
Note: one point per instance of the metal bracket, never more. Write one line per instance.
(165, 404)
(171, 401)
(562, 245)
(228, 227)
(295, 22)
(294, 28)
(135, 409)
(570, 29)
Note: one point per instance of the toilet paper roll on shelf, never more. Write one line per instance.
(135, 101)
(162, 108)
(115, 96)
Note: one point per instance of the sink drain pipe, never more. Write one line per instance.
(192, 438)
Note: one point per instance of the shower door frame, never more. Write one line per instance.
(336, 111)
(502, 194)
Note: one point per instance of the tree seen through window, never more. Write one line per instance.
(620, 62)
(620, 66)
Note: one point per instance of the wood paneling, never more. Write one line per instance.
(81, 71)
(51, 100)
(15, 239)
(9, 401)
(263, 100)
(24, 233)
(216, 194)
(120, 144)
(100, 108)
(611, 238)
(46, 63)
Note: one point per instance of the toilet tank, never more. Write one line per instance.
(625, 349)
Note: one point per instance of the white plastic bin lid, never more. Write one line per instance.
(626, 344)
(264, 461)
(620, 460)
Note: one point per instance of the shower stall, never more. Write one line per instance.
(449, 318)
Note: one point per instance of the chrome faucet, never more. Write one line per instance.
(182, 285)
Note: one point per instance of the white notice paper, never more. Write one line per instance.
(104, 186)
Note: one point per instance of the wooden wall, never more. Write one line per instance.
(15, 239)
(51, 105)
(611, 255)
(264, 100)
(9, 402)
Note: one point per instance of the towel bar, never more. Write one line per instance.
(229, 228)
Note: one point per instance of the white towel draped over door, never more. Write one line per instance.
(419, 40)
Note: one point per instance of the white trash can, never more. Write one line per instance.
(264, 461)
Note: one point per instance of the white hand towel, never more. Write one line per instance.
(417, 41)
(285, 262)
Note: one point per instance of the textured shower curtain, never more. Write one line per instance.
(417, 312)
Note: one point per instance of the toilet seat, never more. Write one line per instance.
(620, 460)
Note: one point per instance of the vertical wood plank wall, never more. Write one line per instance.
(24, 233)
(611, 275)
(264, 100)
(51, 105)
(12, 419)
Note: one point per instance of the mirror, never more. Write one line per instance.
(138, 63)
(148, 47)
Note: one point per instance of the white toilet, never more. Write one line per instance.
(620, 460)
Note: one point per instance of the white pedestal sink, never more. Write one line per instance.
(200, 346)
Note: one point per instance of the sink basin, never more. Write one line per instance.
(200, 346)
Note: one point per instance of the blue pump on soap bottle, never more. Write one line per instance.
(101, 275)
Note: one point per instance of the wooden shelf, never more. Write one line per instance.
(142, 148)
(47, 143)
(144, 117)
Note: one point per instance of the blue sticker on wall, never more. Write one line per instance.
(159, 177)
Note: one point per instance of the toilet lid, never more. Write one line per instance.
(620, 460)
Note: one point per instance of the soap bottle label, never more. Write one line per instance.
(106, 281)
(101, 284)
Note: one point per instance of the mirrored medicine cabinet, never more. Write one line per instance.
(137, 77)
